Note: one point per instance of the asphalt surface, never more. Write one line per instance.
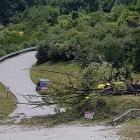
(15, 74)
(59, 133)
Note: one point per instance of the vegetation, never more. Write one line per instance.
(9, 10)
(105, 45)
(131, 130)
(39, 20)
(101, 37)
(104, 106)
(94, 37)
(7, 103)
(60, 119)
(57, 78)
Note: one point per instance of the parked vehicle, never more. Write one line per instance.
(42, 86)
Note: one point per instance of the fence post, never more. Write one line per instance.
(7, 91)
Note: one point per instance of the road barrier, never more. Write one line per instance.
(129, 114)
(17, 53)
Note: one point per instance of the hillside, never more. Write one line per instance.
(82, 45)
(103, 37)
(105, 107)
(29, 21)
(9, 8)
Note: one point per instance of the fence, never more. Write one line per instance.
(17, 53)
(129, 114)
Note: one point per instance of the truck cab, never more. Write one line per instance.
(42, 86)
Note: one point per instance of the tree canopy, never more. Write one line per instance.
(9, 9)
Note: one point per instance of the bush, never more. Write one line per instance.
(42, 55)
(2, 53)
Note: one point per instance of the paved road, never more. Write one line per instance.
(13, 75)
(59, 133)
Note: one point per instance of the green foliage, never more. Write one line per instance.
(95, 74)
(103, 36)
(44, 47)
(94, 37)
(11, 10)
(136, 52)
(80, 34)
(40, 14)
(104, 43)
(2, 52)
(76, 103)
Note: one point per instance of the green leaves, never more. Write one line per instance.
(39, 14)
(74, 29)
(95, 74)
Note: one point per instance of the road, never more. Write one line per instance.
(58, 133)
(13, 75)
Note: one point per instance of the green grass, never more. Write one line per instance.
(114, 105)
(57, 79)
(131, 130)
(7, 105)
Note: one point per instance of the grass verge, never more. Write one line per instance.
(131, 130)
(7, 103)
(56, 78)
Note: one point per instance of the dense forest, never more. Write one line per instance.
(89, 30)
(9, 9)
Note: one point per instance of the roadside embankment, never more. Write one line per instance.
(7, 103)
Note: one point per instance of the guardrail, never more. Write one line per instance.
(17, 53)
(129, 114)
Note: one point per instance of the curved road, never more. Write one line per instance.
(13, 75)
